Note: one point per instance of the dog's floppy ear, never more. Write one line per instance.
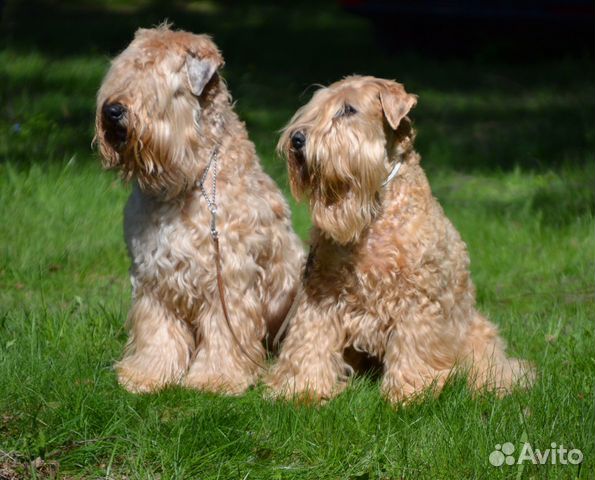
(396, 102)
(203, 59)
(200, 71)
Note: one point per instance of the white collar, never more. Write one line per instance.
(392, 174)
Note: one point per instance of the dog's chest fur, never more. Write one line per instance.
(172, 251)
(401, 256)
(168, 255)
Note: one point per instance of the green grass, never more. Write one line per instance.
(509, 151)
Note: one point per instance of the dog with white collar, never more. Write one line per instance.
(388, 274)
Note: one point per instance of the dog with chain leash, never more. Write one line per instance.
(215, 262)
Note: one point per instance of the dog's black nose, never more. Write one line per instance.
(298, 140)
(113, 111)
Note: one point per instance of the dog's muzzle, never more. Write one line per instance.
(114, 122)
(297, 155)
(298, 140)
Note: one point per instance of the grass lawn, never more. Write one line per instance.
(508, 147)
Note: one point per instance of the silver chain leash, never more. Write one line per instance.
(212, 201)
(212, 206)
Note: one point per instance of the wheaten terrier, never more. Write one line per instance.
(165, 120)
(387, 274)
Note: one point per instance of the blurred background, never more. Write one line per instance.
(501, 83)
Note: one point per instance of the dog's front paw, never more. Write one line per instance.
(216, 384)
(303, 389)
(136, 380)
(210, 380)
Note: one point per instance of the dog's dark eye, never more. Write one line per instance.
(348, 110)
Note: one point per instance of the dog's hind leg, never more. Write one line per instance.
(487, 363)
(407, 375)
(420, 352)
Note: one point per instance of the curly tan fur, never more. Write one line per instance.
(387, 274)
(177, 112)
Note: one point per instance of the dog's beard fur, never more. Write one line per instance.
(164, 120)
(340, 172)
(158, 151)
(345, 160)
(345, 170)
(164, 153)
